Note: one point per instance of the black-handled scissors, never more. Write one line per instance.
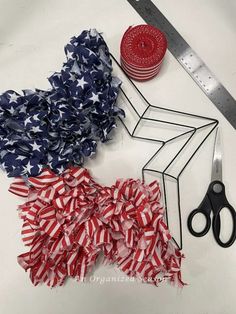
(214, 200)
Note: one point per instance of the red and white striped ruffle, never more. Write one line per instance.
(69, 219)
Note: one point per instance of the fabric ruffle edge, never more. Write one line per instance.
(61, 126)
(68, 220)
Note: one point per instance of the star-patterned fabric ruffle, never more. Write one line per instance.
(61, 126)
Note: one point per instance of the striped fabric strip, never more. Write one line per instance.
(45, 178)
(68, 220)
(50, 227)
(129, 237)
(71, 263)
(155, 191)
(28, 233)
(47, 213)
(156, 259)
(19, 187)
(144, 216)
(59, 186)
(139, 255)
(33, 211)
(108, 212)
(92, 225)
(46, 194)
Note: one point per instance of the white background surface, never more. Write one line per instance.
(32, 37)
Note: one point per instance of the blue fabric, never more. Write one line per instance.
(61, 126)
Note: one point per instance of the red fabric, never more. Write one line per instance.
(68, 220)
(142, 51)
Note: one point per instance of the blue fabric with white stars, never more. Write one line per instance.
(61, 126)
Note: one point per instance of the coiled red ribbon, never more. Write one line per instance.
(68, 220)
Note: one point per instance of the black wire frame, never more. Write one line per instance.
(209, 122)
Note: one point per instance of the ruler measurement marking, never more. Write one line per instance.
(189, 59)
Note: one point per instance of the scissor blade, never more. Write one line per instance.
(217, 159)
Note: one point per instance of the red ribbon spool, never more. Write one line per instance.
(142, 51)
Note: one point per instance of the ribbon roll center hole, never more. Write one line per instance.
(145, 46)
(142, 44)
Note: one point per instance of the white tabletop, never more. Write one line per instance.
(32, 37)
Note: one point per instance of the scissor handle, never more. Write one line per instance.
(205, 209)
(219, 201)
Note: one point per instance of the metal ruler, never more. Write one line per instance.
(189, 60)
